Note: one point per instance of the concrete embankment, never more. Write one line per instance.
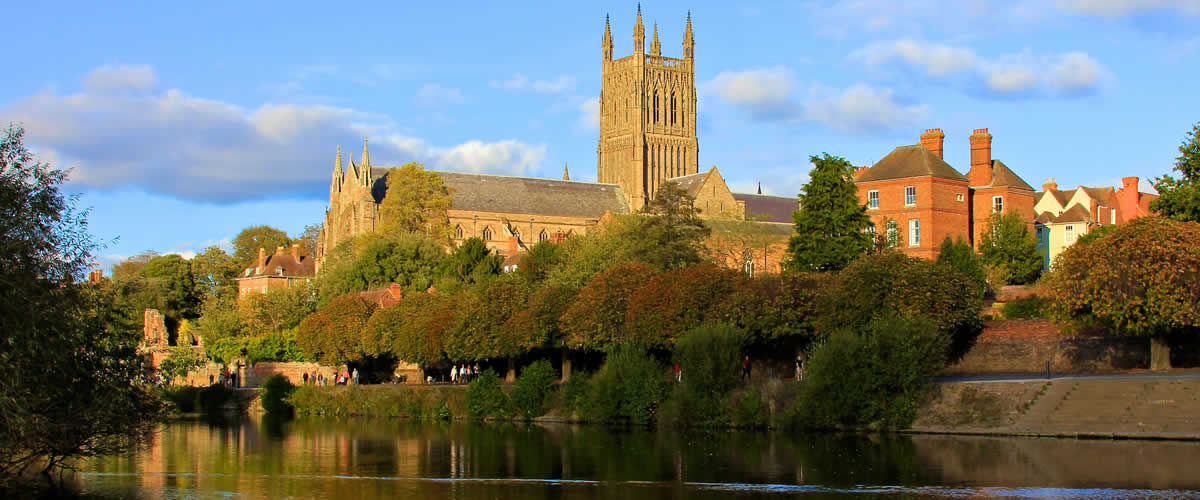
(1129, 406)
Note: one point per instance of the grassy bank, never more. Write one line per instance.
(405, 401)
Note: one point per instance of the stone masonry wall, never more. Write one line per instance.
(1024, 346)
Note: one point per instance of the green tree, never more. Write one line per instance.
(541, 258)
(220, 319)
(709, 357)
(1008, 245)
(407, 259)
(959, 255)
(131, 268)
(277, 310)
(1179, 198)
(215, 273)
(1142, 279)
(416, 202)
(540, 319)
(482, 328)
(414, 330)
(179, 362)
(471, 262)
(247, 243)
(171, 278)
(69, 356)
(670, 233)
(831, 223)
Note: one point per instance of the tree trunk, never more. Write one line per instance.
(1160, 353)
(511, 376)
(566, 365)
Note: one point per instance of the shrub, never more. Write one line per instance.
(534, 385)
(750, 411)
(628, 389)
(211, 400)
(871, 376)
(1026, 308)
(486, 399)
(183, 398)
(574, 394)
(710, 360)
(274, 391)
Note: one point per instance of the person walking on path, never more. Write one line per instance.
(678, 377)
(746, 368)
(454, 374)
(355, 376)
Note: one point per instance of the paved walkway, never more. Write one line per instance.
(1026, 377)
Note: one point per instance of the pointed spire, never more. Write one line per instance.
(566, 173)
(689, 42)
(655, 48)
(639, 33)
(607, 45)
(366, 159)
(337, 164)
(759, 187)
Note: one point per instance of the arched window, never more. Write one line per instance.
(655, 106)
(748, 263)
(487, 234)
(543, 236)
(672, 108)
(458, 232)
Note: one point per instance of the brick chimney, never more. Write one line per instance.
(296, 252)
(1050, 185)
(858, 171)
(932, 140)
(395, 290)
(262, 259)
(1127, 199)
(279, 250)
(981, 158)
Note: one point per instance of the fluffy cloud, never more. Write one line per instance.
(1120, 8)
(121, 131)
(772, 94)
(558, 85)
(434, 95)
(1070, 73)
(590, 114)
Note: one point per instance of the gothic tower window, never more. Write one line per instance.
(458, 232)
(672, 108)
(487, 234)
(655, 106)
(543, 236)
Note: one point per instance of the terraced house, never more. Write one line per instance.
(1066, 214)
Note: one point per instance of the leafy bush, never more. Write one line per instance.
(750, 411)
(212, 399)
(1026, 308)
(871, 376)
(573, 395)
(179, 362)
(710, 360)
(274, 391)
(486, 399)
(628, 389)
(183, 398)
(376, 401)
(533, 387)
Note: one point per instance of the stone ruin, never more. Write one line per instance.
(154, 329)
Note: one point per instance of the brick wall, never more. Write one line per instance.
(938, 209)
(1024, 346)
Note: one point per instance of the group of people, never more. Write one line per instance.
(339, 378)
(463, 374)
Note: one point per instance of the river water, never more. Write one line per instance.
(258, 457)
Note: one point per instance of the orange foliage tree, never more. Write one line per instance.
(596, 320)
(1142, 278)
(334, 334)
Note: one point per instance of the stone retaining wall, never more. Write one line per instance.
(1025, 346)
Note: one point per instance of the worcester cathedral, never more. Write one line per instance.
(647, 137)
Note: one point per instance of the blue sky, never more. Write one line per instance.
(184, 125)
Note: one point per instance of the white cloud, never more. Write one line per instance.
(861, 109)
(120, 78)
(1120, 8)
(772, 94)
(519, 83)
(1069, 73)
(590, 114)
(434, 95)
(168, 142)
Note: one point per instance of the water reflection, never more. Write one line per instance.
(384, 458)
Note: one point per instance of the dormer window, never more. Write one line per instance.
(279, 270)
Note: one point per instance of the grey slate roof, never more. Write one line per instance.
(910, 161)
(527, 195)
(773, 208)
(691, 183)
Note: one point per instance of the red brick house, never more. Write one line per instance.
(276, 272)
(915, 193)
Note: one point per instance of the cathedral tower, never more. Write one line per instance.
(647, 115)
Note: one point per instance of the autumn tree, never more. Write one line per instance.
(1179, 199)
(334, 334)
(830, 226)
(675, 302)
(482, 329)
(309, 239)
(595, 321)
(249, 240)
(1007, 245)
(1141, 279)
(416, 202)
(540, 319)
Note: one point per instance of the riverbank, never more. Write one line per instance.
(1131, 407)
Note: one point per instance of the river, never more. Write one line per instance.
(259, 457)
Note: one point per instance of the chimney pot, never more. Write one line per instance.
(981, 158)
(932, 140)
(1050, 185)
